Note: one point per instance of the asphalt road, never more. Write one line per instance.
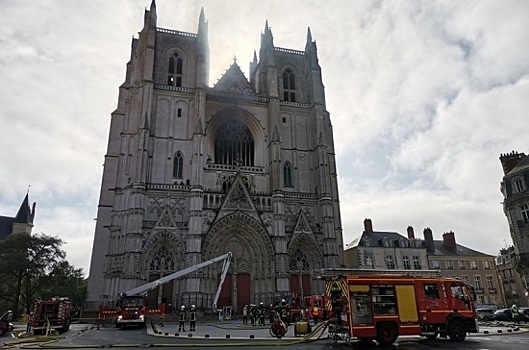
(89, 337)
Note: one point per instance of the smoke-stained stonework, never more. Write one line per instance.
(192, 172)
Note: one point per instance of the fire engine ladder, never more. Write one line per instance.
(151, 285)
(344, 271)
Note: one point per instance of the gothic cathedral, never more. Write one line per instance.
(193, 172)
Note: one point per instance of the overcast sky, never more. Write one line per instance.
(424, 96)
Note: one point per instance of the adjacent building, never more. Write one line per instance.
(192, 172)
(382, 250)
(475, 268)
(515, 189)
(514, 289)
(22, 222)
(385, 250)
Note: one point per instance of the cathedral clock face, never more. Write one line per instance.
(302, 156)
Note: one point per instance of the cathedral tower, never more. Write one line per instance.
(192, 172)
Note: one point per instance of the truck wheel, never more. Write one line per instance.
(457, 330)
(386, 333)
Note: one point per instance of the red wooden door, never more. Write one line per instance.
(305, 282)
(225, 292)
(294, 285)
(243, 290)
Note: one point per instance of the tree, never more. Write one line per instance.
(25, 264)
(66, 280)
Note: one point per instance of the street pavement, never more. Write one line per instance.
(236, 330)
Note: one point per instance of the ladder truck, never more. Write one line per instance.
(131, 308)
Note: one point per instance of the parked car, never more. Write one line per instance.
(503, 315)
(506, 315)
(524, 312)
(486, 315)
(5, 323)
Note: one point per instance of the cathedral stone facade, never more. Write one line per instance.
(192, 172)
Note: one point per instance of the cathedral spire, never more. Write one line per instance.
(202, 46)
(309, 36)
(151, 16)
(25, 214)
(202, 17)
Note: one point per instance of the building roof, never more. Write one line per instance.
(522, 165)
(6, 226)
(377, 239)
(24, 216)
(442, 249)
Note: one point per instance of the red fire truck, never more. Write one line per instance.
(51, 314)
(131, 307)
(381, 305)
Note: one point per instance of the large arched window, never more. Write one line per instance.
(174, 71)
(234, 144)
(298, 262)
(287, 174)
(289, 86)
(178, 165)
(162, 260)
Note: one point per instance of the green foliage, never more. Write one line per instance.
(34, 266)
(66, 281)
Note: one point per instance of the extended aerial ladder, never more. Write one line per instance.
(226, 258)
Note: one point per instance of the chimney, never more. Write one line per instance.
(428, 240)
(449, 240)
(411, 234)
(510, 160)
(368, 226)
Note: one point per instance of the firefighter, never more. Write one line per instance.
(182, 319)
(245, 314)
(282, 310)
(261, 313)
(252, 314)
(515, 313)
(29, 322)
(192, 319)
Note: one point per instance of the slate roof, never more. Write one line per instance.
(442, 250)
(376, 239)
(24, 216)
(234, 81)
(522, 165)
(6, 226)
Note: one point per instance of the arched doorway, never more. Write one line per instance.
(304, 256)
(251, 277)
(163, 256)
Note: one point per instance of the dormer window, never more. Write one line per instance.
(289, 86)
(174, 71)
(518, 185)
